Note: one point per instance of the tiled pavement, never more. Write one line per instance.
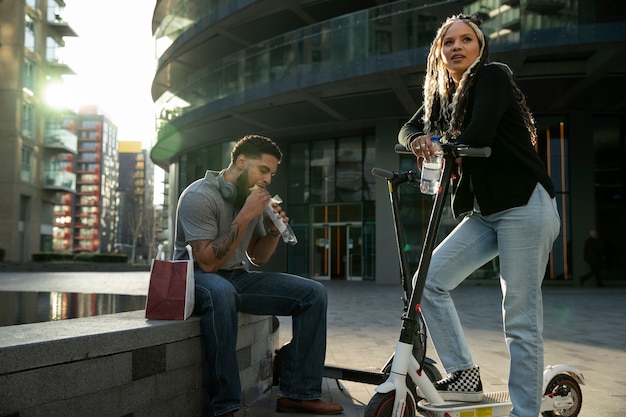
(584, 328)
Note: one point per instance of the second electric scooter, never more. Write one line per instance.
(396, 397)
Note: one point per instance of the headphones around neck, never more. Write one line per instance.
(228, 190)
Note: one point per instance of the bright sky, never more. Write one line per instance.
(113, 57)
(114, 61)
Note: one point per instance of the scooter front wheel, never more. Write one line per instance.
(564, 385)
(381, 405)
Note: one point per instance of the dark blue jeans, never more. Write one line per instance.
(220, 297)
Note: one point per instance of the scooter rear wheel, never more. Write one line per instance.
(565, 385)
(381, 405)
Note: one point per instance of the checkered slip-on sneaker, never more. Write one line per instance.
(461, 386)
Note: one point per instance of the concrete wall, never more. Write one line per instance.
(121, 365)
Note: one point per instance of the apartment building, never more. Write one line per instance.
(38, 144)
(97, 178)
(136, 228)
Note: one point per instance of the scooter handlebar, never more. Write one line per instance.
(463, 150)
(401, 149)
(457, 150)
(379, 172)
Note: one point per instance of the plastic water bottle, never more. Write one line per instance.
(285, 230)
(431, 171)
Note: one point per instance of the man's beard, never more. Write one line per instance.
(242, 186)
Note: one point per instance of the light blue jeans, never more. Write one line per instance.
(522, 237)
(220, 297)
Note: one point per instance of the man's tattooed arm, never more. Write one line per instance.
(223, 244)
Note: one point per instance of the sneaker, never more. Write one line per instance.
(461, 386)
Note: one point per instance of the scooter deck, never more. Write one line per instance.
(355, 375)
(494, 404)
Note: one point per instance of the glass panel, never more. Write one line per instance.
(29, 75)
(338, 252)
(298, 255)
(29, 33)
(552, 148)
(349, 170)
(53, 50)
(323, 171)
(349, 213)
(355, 252)
(324, 214)
(27, 120)
(321, 247)
(183, 179)
(349, 39)
(609, 151)
(369, 161)
(26, 171)
(369, 250)
(298, 171)
(344, 213)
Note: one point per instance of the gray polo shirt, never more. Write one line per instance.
(203, 214)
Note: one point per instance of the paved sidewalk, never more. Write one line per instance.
(584, 328)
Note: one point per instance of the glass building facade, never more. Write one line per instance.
(332, 82)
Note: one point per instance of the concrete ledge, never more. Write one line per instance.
(122, 365)
(71, 267)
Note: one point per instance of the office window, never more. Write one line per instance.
(53, 50)
(349, 170)
(29, 75)
(29, 33)
(299, 171)
(322, 171)
(27, 120)
(26, 170)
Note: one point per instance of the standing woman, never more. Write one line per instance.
(506, 201)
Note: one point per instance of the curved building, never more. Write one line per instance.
(333, 80)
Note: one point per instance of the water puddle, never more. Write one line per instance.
(20, 307)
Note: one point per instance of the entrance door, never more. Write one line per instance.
(337, 251)
(354, 252)
(321, 252)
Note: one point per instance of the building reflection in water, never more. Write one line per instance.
(34, 307)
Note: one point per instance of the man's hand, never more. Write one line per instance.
(280, 215)
(256, 202)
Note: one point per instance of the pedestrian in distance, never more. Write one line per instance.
(506, 204)
(222, 217)
(593, 253)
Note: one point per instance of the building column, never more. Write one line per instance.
(581, 187)
(387, 261)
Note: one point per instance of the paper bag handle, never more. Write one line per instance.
(190, 252)
(160, 255)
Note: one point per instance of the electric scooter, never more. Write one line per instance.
(408, 389)
(427, 365)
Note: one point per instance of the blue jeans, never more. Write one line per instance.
(220, 297)
(522, 237)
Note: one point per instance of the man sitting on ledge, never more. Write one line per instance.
(221, 217)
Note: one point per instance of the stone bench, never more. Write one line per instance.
(121, 365)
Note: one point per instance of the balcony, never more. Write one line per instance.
(58, 180)
(61, 139)
(61, 29)
(545, 7)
